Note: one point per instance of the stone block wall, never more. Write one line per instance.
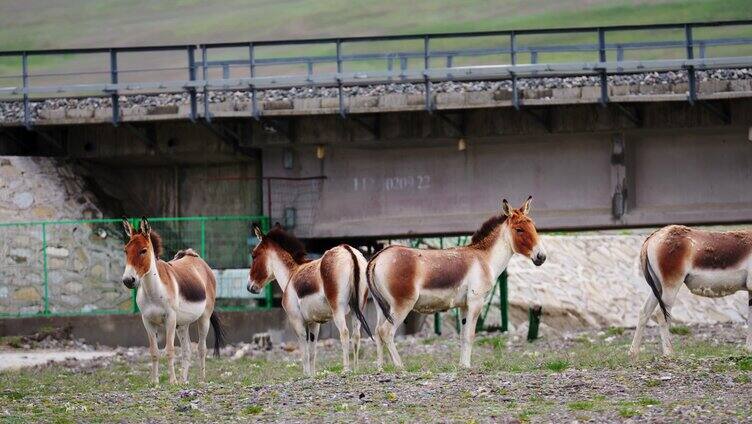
(84, 261)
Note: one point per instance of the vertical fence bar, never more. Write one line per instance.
(205, 75)
(134, 303)
(603, 58)
(203, 238)
(426, 79)
(25, 81)
(114, 80)
(690, 69)
(192, 77)
(513, 59)
(437, 323)
(46, 276)
(339, 79)
(504, 301)
(252, 64)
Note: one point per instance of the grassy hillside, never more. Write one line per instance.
(33, 24)
(38, 24)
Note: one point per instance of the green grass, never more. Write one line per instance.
(519, 381)
(557, 365)
(680, 330)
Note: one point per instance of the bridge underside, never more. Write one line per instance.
(401, 173)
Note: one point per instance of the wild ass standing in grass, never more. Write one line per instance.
(402, 279)
(710, 264)
(171, 294)
(314, 291)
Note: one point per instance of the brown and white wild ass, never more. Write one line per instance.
(710, 264)
(314, 291)
(172, 295)
(402, 279)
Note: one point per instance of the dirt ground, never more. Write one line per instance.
(583, 376)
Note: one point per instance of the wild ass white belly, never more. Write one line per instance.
(315, 308)
(438, 300)
(189, 312)
(716, 283)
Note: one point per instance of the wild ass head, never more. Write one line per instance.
(141, 250)
(520, 232)
(276, 245)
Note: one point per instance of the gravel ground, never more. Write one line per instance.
(569, 377)
(12, 111)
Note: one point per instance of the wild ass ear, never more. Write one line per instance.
(278, 225)
(505, 209)
(257, 231)
(127, 227)
(145, 227)
(526, 206)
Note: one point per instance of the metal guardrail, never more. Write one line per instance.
(426, 74)
(74, 267)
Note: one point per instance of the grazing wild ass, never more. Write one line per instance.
(710, 264)
(314, 291)
(171, 294)
(402, 279)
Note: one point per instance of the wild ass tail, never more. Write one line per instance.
(355, 297)
(652, 279)
(375, 292)
(219, 332)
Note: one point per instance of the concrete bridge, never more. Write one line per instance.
(598, 144)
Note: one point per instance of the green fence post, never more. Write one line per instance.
(134, 304)
(504, 301)
(203, 238)
(269, 295)
(45, 270)
(534, 314)
(437, 323)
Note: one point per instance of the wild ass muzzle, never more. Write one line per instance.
(402, 279)
(710, 264)
(314, 291)
(172, 295)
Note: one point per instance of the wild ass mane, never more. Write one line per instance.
(487, 228)
(289, 244)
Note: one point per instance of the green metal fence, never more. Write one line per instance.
(74, 267)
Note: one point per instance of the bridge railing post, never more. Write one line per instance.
(192, 77)
(339, 79)
(426, 66)
(602, 57)
(114, 80)
(690, 69)
(25, 81)
(513, 60)
(205, 76)
(252, 64)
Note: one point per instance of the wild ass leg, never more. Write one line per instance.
(668, 296)
(344, 338)
(151, 333)
(313, 338)
(387, 330)
(203, 332)
(379, 341)
(185, 350)
(749, 315)
(170, 325)
(302, 331)
(468, 330)
(355, 340)
(645, 313)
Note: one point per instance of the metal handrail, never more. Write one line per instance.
(426, 74)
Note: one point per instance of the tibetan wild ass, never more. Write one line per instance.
(171, 294)
(710, 264)
(402, 279)
(314, 291)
